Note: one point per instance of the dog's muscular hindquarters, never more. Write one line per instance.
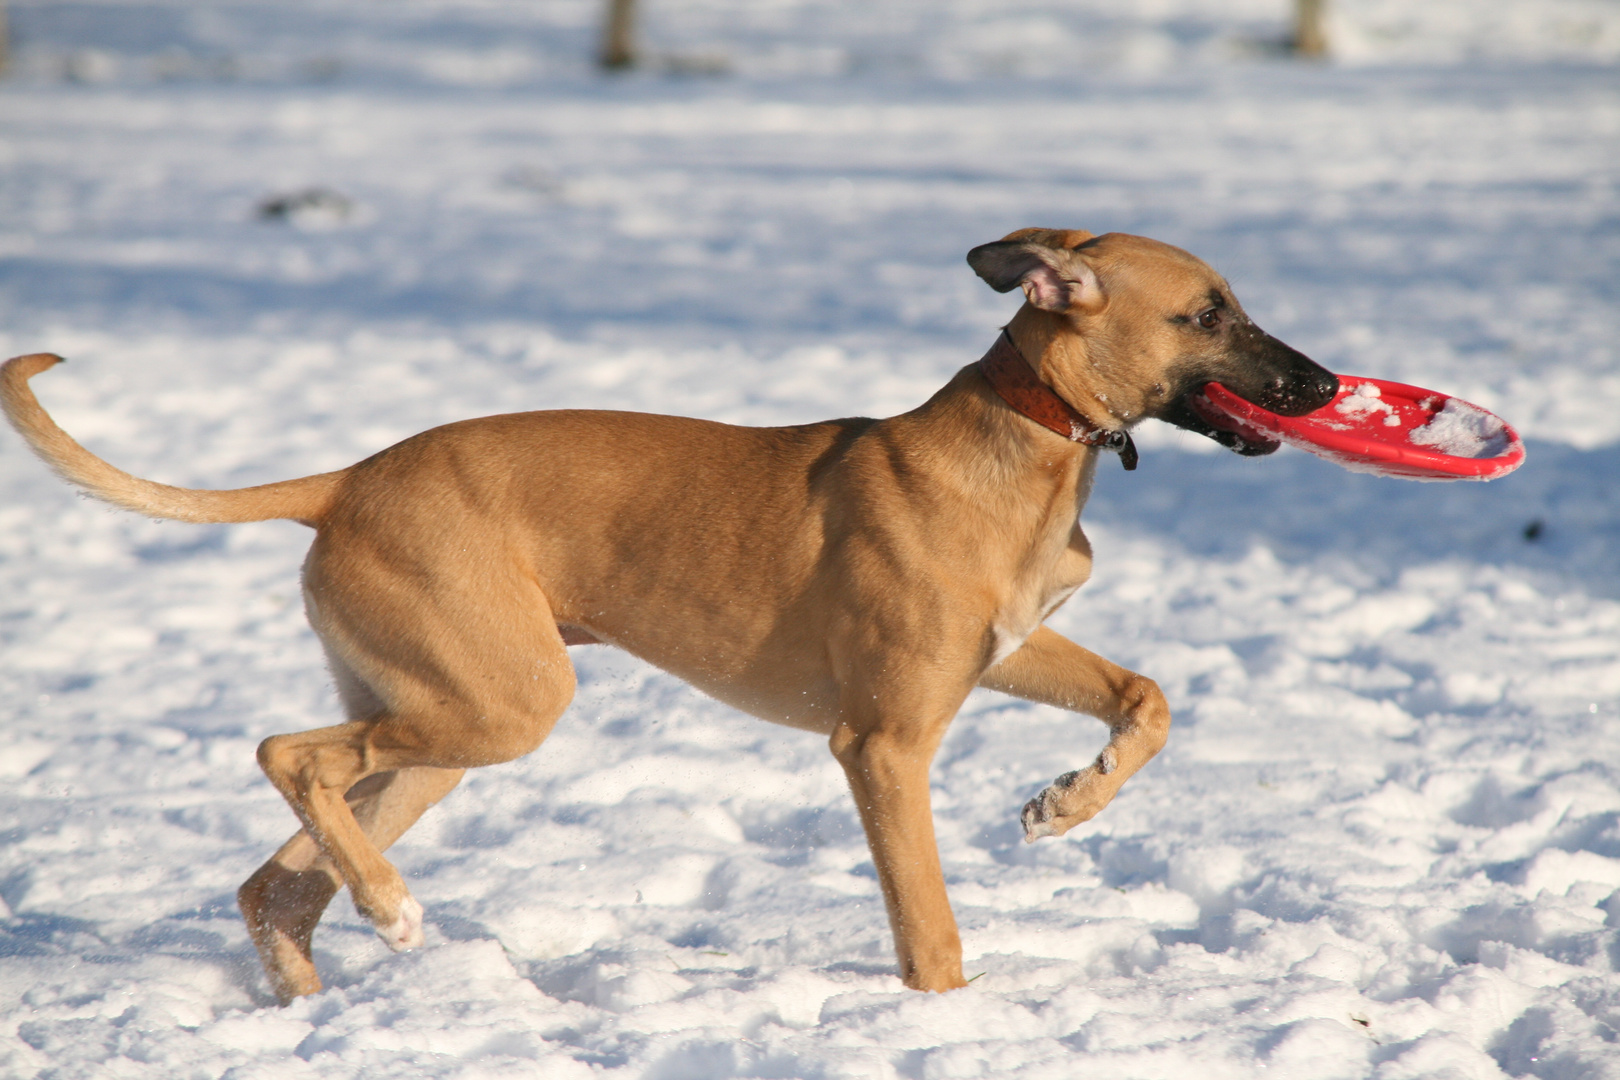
(855, 578)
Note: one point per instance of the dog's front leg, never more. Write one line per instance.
(887, 761)
(1053, 670)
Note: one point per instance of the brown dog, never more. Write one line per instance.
(855, 578)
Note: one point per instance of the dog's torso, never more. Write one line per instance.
(758, 564)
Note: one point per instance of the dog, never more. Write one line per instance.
(854, 578)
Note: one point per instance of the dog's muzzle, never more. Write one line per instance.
(1259, 369)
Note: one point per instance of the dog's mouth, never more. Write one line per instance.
(1194, 412)
(1266, 373)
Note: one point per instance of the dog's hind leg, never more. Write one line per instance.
(465, 669)
(284, 900)
(1053, 670)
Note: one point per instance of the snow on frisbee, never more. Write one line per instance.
(1381, 427)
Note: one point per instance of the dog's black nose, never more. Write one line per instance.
(1303, 384)
(1327, 385)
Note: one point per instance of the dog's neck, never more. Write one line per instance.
(973, 444)
(1016, 382)
(1080, 365)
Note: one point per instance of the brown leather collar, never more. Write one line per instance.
(1010, 375)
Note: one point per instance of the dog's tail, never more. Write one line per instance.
(306, 500)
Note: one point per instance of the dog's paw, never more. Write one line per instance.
(405, 932)
(1042, 815)
(1071, 799)
(1037, 821)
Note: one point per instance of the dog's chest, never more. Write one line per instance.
(1037, 597)
(1045, 585)
(1014, 626)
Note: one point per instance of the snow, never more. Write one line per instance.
(1462, 430)
(1384, 840)
(1364, 401)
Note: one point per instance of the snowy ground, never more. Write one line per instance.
(1385, 838)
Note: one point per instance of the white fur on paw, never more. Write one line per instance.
(405, 932)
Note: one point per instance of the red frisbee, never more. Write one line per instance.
(1381, 427)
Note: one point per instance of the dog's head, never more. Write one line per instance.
(1141, 326)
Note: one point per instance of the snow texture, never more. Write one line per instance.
(1367, 400)
(1384, 840)
(1461, 430)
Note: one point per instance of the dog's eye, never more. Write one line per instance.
(1208, 319)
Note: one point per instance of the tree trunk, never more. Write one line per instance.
(618, 39)
(1310, 36)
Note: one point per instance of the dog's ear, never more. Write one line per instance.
(1053, 276)
(1058, 239)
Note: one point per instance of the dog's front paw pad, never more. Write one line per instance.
(405, 932)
